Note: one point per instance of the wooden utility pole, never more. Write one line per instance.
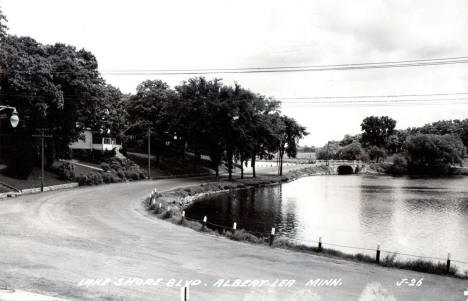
(42, 136)
(149, 153)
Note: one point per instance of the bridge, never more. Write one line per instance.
(343, 167)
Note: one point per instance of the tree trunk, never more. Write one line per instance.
(229, 158)
(253, 165)
(281, 154)
(242, 168)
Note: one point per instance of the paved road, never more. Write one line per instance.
(50, 242)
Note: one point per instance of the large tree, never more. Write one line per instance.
(290, 134)
(53, 87)
(149, 109)
(433, 154)
(376, 130)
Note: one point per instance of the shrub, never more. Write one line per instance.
(66, 171)
(82, 179)
(105, 166)
(399, 166)
(107, 177)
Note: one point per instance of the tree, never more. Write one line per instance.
(54, 87)
(149, 108)
(376, 130)
(3, 26)
(290, 133)
(352, 151)
(433, 154)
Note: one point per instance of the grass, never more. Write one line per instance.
(33, 180)
(170, 166)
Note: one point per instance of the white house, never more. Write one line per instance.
(91, 140)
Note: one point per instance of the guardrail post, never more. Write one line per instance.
(184, 293)
(448, 263)
(377, 254)
(320, 244)
(272, 236)
(204, 222)
(234, 227)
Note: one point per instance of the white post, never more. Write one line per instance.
(184, 293)
(234, 226)
(183, 213)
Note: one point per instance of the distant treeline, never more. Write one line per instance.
(431, 149)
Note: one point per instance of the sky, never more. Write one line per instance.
(136, 35)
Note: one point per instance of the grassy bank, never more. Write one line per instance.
(169, 206)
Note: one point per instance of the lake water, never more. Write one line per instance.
(427, 217)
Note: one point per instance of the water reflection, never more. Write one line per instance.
(417, 216)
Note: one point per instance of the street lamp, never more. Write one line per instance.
(14, 119)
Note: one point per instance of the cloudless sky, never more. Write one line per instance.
(234, 34)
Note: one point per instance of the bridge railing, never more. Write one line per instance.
(335, 162)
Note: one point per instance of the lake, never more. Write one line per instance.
(427, 217)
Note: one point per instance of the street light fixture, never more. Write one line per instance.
(14, 119)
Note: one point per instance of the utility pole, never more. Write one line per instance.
(42, 136)
(149, 153)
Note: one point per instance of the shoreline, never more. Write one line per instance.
(170, 205)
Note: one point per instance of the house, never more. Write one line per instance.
(91, 140)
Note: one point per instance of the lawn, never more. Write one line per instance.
(33, 180)
(169, 165)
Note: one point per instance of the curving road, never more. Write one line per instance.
(50, 242)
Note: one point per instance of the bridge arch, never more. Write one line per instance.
(345, 170)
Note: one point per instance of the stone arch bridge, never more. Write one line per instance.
(343, 167)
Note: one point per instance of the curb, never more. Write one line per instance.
(38, 189)
(50, 188)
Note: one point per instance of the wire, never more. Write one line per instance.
(335, 67)
(374, 96)
(285, 67)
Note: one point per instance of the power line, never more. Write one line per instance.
(284, 67)
(374, 96)
(380, 103)
(358, 66)
(302, 98)
(309, 68)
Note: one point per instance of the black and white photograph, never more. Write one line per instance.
(262, 150)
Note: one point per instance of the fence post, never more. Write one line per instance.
(204, 222)
(184, 293)
(377, 254)
(183, 217)
(320, 244)
(448, 262)
(272, 236)
(234, 227)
